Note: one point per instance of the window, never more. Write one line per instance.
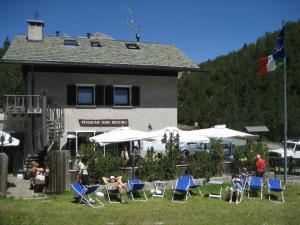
(122, 96)
(97, 95)
(85, 95)
(96, 44)
(70, 42)
(132, 46)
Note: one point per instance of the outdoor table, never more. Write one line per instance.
(216, 183)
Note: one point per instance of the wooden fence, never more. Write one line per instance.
(59, 178)
(3, 173)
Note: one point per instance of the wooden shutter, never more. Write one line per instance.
(71, 94)
(135, 96)
(109, 95)
(99, 95)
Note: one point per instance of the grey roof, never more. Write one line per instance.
(113, 53)
(255, 129)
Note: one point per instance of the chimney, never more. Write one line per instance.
(35, 30)
(138, 37)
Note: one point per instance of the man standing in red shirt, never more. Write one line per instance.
(260, 166)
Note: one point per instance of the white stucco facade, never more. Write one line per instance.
(158, 100)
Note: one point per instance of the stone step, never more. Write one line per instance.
(19, 188)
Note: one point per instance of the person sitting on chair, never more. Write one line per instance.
(38, 174)
(116, 183)
(237, 185)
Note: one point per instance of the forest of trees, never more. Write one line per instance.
(11, 81)
(231, 92)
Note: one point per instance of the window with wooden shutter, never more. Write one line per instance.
(121, 96)
(99, 94)
(109, 95)
(135, 96)
(71, 94)
(85, 95)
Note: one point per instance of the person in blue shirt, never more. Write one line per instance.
(237, 185)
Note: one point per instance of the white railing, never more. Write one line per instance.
(22, 104)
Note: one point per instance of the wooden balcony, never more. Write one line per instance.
(22, 104)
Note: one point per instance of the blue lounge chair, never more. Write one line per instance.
(255, 185)
(81, 193)
(181, 188)
(274, 185)
(193, 185)
(244, 183)
(136, 186)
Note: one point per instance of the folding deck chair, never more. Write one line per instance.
(244, 183)
(81, 193)
(255, 184)
(193, 185)
(112, 193)
(181, 188)
(134, 187)
(243, 179)
(159, 188)
(274, 185)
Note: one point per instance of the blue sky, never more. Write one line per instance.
(201, 29)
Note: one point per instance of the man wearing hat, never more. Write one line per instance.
(115, 183)
(260, 166)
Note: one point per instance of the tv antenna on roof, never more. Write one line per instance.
(36, 15)
(135, 28)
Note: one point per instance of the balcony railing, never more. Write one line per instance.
(22, 104)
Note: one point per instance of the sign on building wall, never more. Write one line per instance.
(103, 123)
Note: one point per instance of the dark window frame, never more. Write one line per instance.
(71, 42)
(133, 46)
(86, 86)
(128, 90)
(96, 44)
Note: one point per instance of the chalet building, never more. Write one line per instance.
(77, 87)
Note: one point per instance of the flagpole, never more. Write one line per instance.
(285, 105)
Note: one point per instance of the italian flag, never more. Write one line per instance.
(271, 62)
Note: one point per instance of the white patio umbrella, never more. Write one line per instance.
(184, 136)
(8, 140)
(220, 131)
(123, 134)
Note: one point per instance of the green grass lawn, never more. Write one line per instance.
(61, 209)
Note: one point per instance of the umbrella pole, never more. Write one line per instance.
(132, 160)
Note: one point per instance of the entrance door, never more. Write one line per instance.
(82, 138)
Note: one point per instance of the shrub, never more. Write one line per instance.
(200, 165)
(149, 167)
(217, 157)
(245, 158)
(98, 164)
